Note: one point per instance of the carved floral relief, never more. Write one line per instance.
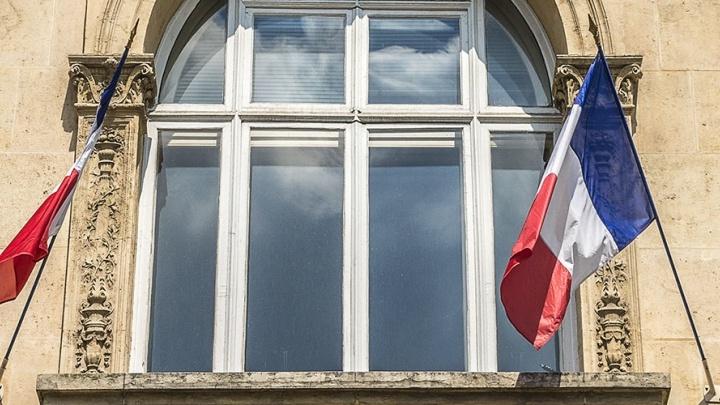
(102, 205)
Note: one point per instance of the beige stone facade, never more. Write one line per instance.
(55, 56)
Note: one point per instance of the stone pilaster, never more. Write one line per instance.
(610, 326)
(103, 220)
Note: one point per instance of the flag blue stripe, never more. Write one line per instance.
(603, 145)
(107, 94)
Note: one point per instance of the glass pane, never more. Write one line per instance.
(294, 320)
(516, 70)
(416, 259)
(414, 61)
(186, 221)
(195, 72)
(299, 59)
(518, 163)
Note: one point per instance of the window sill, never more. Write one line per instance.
(351, 388)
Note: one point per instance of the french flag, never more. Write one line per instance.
(30, 245)
(592, 202)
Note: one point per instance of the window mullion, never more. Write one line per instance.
(356, 237)
(480, 89)
(486, 318)
(237, 303)
(223, 311)
(144, 255)
(472, 250)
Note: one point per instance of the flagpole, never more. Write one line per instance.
(5, 360)
(710, 396)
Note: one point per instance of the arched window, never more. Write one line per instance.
(336, 186)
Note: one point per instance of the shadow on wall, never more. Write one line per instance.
(549, 16)
(69, 116)
(161, 14)
(537, 380)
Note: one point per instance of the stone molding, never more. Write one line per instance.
(102, 228)
(356, 387)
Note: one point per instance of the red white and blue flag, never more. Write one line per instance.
(592, 202)
(30, 245)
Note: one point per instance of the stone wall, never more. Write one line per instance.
(37, 146)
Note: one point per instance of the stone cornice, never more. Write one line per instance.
(393, 387)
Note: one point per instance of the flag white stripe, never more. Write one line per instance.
(572, 228)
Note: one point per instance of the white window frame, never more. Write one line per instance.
(142, 296)
(237, 311)
(238, 116)
(363, 63)
(168, 40)
(470, 268)
(248, 22)
(569, 356)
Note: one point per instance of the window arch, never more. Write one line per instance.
(350, 157)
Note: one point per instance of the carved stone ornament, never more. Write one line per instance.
(137, 84)
(614, 340)
(570, 71)
(100, 240)
(103, 208)
(566, 85)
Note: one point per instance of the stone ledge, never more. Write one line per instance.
(347, 388)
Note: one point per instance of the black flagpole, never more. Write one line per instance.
(25, 308)
(710, 395)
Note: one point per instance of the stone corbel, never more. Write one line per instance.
(569, 73)
(102, 228)
(608, 300)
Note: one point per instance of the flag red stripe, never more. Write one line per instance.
(535, 289)
(30, 244)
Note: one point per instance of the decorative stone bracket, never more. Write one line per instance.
(609, 307)
(102, 228)
(571, 70)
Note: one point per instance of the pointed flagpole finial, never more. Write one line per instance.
(595, 31)
(132, 34)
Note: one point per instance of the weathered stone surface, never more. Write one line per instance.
(680, 358)
(351, 388)
(663, 316)
(633, 28)
(67, 34)
(8, 101)
(707, 113)
(667, 127)
(44, 117)
(686, 189)
(28, 178)
(38, 344)
(688, 34)
(22, 42)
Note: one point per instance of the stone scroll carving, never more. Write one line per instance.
(103, 227)
(570, 70)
